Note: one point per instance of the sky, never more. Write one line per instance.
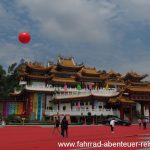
(106, 34)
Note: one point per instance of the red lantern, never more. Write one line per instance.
(24, 37)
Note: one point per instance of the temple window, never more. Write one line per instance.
(82, 103)
(50, 108)
(64, 107)
(100, 107)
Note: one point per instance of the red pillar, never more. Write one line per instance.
(149, 110)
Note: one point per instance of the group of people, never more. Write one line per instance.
(64, 126)
(143, 121)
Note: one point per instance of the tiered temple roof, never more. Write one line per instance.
(87, 74)
(134, 77)
(121, 99)
(112, 75)
(138, 89)
(68, 63)
(67, 71)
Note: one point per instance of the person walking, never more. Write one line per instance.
(112, 125)
(144, 123)
(140, 122)
(64, 127)
(56, 125)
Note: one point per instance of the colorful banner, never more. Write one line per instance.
(78, 87)
(65, 87)
(35, 105)
(39, 111)
(31, 103)
(12, 108)
(107, 87)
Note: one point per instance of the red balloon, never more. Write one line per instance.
(24, 37)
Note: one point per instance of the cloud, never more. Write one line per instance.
(11, 53)
(107, 34)
(72, 20)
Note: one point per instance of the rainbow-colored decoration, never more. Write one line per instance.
(37, 105)
(10, 108)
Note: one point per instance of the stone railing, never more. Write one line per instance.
(73, 92)
(79, 111)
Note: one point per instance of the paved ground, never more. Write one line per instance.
(41, 138)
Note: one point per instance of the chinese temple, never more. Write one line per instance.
(68, 88)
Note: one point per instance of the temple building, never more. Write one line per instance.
(68, 88)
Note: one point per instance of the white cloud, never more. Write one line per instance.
(11, 53)
(136, 10)
(72, 20)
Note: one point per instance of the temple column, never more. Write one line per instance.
(45, 101)
(130, 114)
(121, 112)
(142, 109)
(93, 104)
(58, 105)
(71, 106)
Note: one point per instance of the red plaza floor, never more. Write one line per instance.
(41, 138)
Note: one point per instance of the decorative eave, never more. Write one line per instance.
(133, 75)
(92, 79)
(68, 63)
(37, 77)
(54, 71)
(142, 84)
(38, 67)
(63, 80)
(113, 73)
(87, 71)
(115, 83)
(138, 89)
(76, 68)
(121, 99)
(15, 93)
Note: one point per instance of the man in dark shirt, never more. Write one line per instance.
(64, 127)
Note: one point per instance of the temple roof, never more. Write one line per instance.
(121, 99)
(115, 83)
(37, 66)
(64, 80)
(134, 75)
(55, 70)
(89, 78)
(38, 76)
(68, 63)
(112, 72)
(89, 71)
(139, 89)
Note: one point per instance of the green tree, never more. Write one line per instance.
(2, 82)
(9, 80)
